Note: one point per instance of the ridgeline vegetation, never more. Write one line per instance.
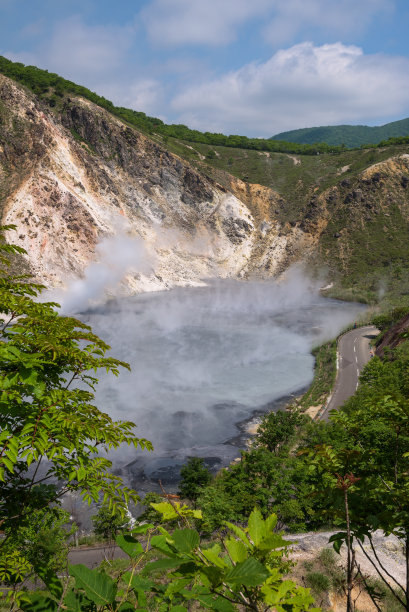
(351, 136)
(53, 89)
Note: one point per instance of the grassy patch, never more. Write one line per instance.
(387, 601)
(324, 375)
(324, 575)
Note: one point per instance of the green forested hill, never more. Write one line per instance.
(348, 135)
(54, 89)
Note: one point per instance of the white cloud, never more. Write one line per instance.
(216, 22)
(33, 29)
(199, 22)
(80, 50)
(142, 94)
(302, 86)
(99, 57)
(339, 18)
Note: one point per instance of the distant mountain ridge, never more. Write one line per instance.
(349, 135)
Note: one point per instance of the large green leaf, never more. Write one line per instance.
(160, 543)
(237, 550)
(137, 581)
(274, 541)
(52, 582)
(76, 601)
(240, 533)
(185, 540)
(166, 510)
(249, 573)
(216, 603)
(176, 586)
(130, 545)
(98, 587)
(212, 555)
(212, 574)
(140, 585)
(271, 522)
(256, 526)
(142, 528)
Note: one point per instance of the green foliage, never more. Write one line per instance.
(109, 521)
(325, 574)
(349, 135)
(194, 476)
(319, 583)
(244, 571)
(277, 429)
(363, 480)
(44, 84)
(324, 374)
(47, 416)
(387, 319)
(150, 515)
(263, 479)
(42, 539)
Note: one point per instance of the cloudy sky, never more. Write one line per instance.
(253, 67)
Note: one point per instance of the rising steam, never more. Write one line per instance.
(116, 256)
(202, 359)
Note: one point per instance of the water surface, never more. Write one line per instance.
(204, 360)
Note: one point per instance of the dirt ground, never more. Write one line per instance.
(307, 547)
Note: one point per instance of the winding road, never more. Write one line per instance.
(353, 354)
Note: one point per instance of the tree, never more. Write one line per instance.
(109, 522)
(41, 542)
(363, 478)
(51, 434)
(194, 476)
(276, 428)
(381, 429)
(278, 483)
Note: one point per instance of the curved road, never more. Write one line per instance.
(353, 354)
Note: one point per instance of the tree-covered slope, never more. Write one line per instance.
(349, 135)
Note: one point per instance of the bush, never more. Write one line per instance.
(108, 522)
(319, 583)
(277, 428)
(194, 476)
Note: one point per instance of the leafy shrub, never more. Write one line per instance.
(194, 476)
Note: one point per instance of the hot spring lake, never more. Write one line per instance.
(204, 361)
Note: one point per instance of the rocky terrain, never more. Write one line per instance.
(74, 175)
(69, 181)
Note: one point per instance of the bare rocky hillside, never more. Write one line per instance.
(68, 181)
(73, 175)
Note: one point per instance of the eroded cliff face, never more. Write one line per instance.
(68, 181)
(71, 178)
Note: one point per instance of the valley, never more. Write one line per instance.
(208, 271)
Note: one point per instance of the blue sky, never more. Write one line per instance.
(254, 67)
